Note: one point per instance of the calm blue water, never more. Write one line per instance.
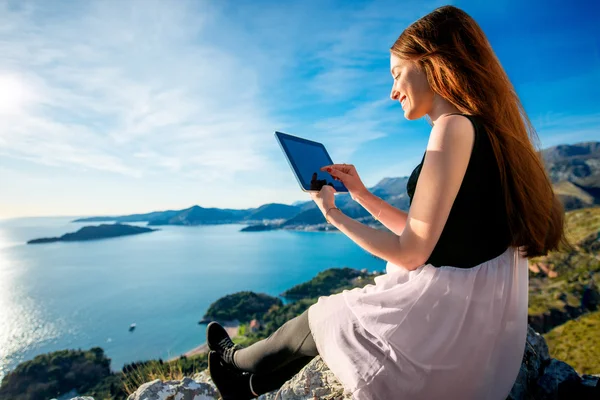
(85, 294)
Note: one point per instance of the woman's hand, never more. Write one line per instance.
(324, 198)
(346, 173)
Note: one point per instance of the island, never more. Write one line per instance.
(259, 228)
(103, 231)
(241, 306)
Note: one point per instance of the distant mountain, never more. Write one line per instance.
(312, 216)
(575, 172)
(573, 169)
(561, 152)
(133, 218)
(95, 232)
(273, 211)
(392, 190)
(197, 215)
(389, 187)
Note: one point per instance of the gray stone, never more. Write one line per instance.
(82, 398)
(314, 381)
(556, 374)
(590, 380)
(186, 389)
(537, 344)
(535, 356)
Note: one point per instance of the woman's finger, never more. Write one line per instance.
(338, 167)
(339, 174)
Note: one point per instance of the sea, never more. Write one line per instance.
(79, 295)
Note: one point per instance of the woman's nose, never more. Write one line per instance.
(394, 95)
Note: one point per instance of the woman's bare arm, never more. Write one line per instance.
(391, 217)
(445, 164)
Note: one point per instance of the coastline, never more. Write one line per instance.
(231, 328)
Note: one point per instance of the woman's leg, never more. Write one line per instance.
(293, 340)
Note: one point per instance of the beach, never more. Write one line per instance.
(232, 330)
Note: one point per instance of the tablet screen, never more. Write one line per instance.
(306, 158)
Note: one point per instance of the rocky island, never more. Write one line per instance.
(103, 231)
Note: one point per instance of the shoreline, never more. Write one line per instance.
(232, 329)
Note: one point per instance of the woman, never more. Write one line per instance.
(449, 318)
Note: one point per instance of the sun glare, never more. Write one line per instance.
(14, 94)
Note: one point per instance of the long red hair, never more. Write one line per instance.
(461, 67)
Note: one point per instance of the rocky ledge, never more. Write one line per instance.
(541, 378)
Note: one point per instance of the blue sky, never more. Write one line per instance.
(116, 107)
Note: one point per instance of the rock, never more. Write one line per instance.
(543, 378)
(590, 380)
(557, 376)
(82, 398)
(540, 377)
(314, 381)
(203, 378)
(536, 354)
(186, 389)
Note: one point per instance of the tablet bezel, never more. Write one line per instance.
(281, 137)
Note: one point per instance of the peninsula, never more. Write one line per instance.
(95, 232)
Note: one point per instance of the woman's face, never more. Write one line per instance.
(410, 88)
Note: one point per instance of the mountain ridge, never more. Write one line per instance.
(574, 171)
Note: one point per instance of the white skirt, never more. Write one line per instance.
(430, 333)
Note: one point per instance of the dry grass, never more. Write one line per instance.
(165, 371)
(577, 343)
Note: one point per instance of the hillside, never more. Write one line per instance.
(577, 343)
(564, 284)
(575, 172)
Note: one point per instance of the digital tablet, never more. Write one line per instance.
(306, 158)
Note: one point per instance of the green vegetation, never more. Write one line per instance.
(243, 306)
(272, 320)
(135, 374)
(577, 343)
(52, 374)
(327, 282)
(574, 291)
(582, 223)
(49, 375)
(333, 280)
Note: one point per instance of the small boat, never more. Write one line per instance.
(131, 327)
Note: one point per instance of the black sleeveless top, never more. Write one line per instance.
(477, 226)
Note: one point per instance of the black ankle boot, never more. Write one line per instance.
(218, 340)
(232, 384)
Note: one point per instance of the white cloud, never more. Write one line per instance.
(123, 78)
(191, 91)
